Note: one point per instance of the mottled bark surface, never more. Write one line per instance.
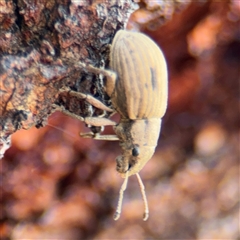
(56, 185)
(39, 43)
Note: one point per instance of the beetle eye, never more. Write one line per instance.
(135, 151)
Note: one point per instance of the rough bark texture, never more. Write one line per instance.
(39, 43)
(58, 186)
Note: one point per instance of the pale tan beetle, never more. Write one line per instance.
(138, 88)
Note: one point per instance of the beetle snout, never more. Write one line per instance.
(124, 164)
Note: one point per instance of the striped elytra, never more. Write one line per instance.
(141, 86)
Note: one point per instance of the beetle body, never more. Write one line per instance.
(140, 91)
(136, 151)
(137, 86)
(139, 95)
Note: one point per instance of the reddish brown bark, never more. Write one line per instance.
(60, 186)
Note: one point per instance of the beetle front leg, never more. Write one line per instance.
(92, 100)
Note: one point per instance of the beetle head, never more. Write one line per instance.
(138, 139)
(133, 160)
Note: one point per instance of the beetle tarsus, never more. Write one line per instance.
(107, 137)
(87, 135)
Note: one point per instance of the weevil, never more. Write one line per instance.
(137, 86)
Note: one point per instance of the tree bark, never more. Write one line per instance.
(39, 43)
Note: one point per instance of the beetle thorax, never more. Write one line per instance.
(138, 139)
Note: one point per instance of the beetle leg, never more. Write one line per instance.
(93, 101)
(99, 137)
(98, 121)
(95, 121)
(110, 75)
(66, 112)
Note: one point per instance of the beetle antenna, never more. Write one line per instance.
(120, 199)
(142, 188)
